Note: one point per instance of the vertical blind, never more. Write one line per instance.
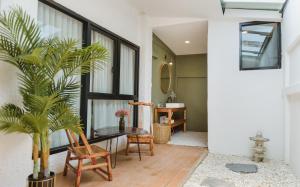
(56, 24)
(127, 70)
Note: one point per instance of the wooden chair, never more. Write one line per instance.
(143, 139)
(86, 152)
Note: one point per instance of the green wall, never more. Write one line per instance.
(191, 89)
(160, 50)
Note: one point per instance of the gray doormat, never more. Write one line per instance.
(242, 168)
(215, 182)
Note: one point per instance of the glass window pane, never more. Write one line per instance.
(56, 24)
(275, 5)
(260, 46)
(101, 80)
(127, 69)
(101, 114)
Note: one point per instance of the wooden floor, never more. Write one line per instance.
(170, 166)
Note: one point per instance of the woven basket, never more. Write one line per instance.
(161, 133)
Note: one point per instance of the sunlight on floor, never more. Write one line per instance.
(189, 138)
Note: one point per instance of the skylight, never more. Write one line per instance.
(255, 37)
(270, 5)
(260, 46)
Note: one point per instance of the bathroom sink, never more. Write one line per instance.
(174, 105)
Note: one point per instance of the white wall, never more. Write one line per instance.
(15, 149)
(117, 16)
(291, 52)
(240, 102)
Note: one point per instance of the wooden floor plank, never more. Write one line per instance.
(170, 166)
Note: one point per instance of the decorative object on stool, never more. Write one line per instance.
(259, 149)
(121, 114)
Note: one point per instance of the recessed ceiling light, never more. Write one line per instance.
(245, 32)
(187, 42)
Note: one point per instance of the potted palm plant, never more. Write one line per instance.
(49, 85)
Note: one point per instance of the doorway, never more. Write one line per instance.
(184, 46)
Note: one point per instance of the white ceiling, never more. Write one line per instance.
(179, 8)
(167, 14)
(174, 36)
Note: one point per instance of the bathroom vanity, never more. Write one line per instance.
(176, 116)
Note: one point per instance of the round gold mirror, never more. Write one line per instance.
(165, 78)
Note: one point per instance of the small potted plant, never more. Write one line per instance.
(121, 114)
(47, 72)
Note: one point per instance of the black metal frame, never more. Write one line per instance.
(88, 27)
(278, 65)
(280, 11)
(284, 7)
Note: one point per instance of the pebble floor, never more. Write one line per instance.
(270, 174)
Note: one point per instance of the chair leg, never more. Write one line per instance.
(127, 148)
(151, 147)
(66, 163)
(78, 173)
(109, 173)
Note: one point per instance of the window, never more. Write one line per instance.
(101, 80)
(57, 24)
(260, 46)
(112, 87)
(127, 67)
(270, 5)
(104, 91)
(101, 114)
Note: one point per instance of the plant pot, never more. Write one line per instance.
(122, 124)
(42, 182)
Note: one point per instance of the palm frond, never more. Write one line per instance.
(42, 105)
(10, 120)
(68, 89)
(8, 51)
(82, 61)
(20, 29)
(63, 118)
(34, 82)
(34, 58)
(38, 122)
(56, 53)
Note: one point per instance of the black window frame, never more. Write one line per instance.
(86, 94)
(281, 11)
(279, 64)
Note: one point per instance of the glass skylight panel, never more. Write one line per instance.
(252, 42)
(275, 5)
(260, 45)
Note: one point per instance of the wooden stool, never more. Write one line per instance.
(145, 138)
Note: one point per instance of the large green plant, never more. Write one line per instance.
(49, 84)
